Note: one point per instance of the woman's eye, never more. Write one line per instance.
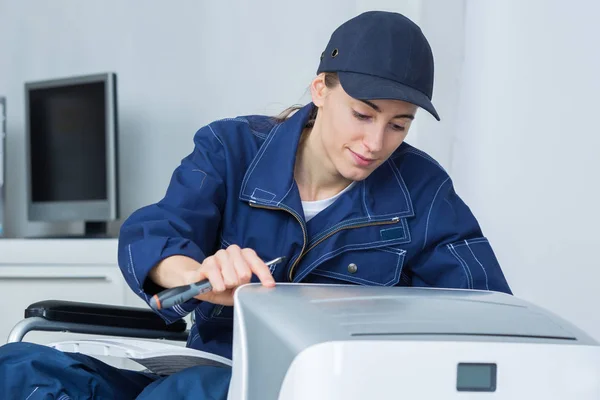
(363, 117)
(360, 116)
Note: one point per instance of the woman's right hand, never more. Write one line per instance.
(229, 268)
(226, 270)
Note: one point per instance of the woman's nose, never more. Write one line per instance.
(373, 140)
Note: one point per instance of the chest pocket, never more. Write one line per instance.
(379, 267)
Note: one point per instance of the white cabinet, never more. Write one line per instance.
(32, 270)
(84, 270)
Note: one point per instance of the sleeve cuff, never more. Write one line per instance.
(140, 257)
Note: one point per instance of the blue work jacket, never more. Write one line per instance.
(403, 225)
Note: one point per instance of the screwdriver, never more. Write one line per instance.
(180, 294)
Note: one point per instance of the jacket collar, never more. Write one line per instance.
(269, 180)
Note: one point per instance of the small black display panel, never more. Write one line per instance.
(476, 377)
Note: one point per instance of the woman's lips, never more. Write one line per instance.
(361, 160)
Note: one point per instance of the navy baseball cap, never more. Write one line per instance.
(382, 55)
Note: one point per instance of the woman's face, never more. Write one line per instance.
(358, 136)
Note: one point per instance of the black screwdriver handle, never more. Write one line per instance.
(180, 294)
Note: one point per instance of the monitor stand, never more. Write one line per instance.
(95, 229)
(92, 230)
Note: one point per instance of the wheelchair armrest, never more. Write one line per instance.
(96, 319)
(101, 314)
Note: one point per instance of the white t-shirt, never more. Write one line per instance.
(312, 208)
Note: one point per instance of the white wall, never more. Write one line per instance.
(442, 21)
(527, 152)
(516, 86)
(178, 68)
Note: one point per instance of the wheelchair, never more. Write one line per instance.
(313, 341)
(148, 348)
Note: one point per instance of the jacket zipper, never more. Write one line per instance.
(303, 253)
(295, 214)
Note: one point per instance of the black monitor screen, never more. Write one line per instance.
(68, 143)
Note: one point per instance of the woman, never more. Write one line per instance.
(331, 186)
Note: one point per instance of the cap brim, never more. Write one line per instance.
(368, 87)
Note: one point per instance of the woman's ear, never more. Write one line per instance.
(318, 90)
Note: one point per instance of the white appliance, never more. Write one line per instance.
(329, 342)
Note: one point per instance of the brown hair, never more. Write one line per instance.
(331, 81)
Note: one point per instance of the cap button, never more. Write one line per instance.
(352, 268)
